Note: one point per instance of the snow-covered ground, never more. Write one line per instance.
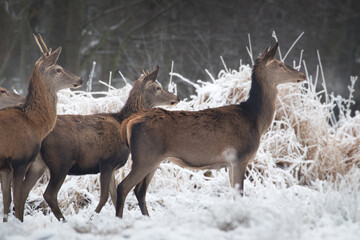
(303, 184)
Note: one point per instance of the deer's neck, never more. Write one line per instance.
(261, 101)
(40, 104)
(133, 105)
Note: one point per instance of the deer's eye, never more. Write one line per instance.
(3, 91)
(58, 70)
(281, 65)
(158, 88)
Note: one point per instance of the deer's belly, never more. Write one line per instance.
(85, 169)
(205, 159)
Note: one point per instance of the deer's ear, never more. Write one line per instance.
(53, 57)
(266, 50)
(270, 55)
(152, 76)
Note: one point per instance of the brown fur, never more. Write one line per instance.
(10, 99)
(91, 144)
(226, 136)
(22, 128)
(7, 99)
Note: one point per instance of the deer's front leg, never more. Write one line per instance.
(5, 176)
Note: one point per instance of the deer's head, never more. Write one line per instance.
(9, 99)
(275, 71)
(53, 74)
(151, 92)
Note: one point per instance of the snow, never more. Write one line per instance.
(303, 184)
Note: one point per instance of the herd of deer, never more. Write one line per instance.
(33, 138)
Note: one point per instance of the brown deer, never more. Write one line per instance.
(11, 99)
(7, 99)
(89, 144)
(22, 128)
(226, 136)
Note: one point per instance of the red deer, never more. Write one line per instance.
(7, 99)
(22, 128)
(227, 136)
(89, 144)
(10, 99)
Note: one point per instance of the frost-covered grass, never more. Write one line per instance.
(303, 184)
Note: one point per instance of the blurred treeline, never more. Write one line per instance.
(139, 34)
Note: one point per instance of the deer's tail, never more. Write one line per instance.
(127, 126)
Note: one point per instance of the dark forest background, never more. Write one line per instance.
(133, 35)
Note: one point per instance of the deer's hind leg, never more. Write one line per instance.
(106, 173)
(50, 195)
(35, 171)
(137, 174)
(140, 192)
(5, 176)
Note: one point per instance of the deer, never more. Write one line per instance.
(22, 128)
(91, 144)
(8, 99)
(214, 138)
